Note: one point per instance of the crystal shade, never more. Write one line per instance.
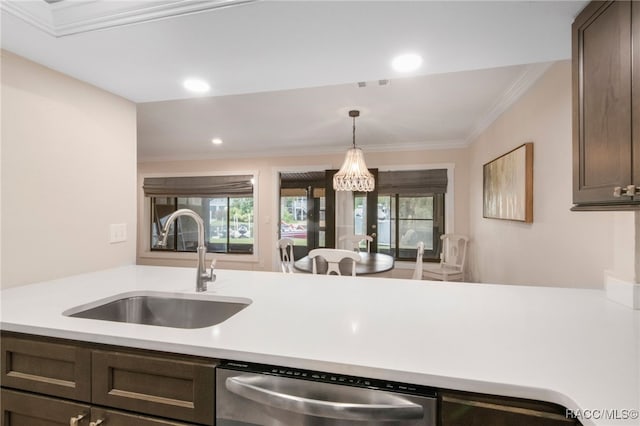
(354, 174)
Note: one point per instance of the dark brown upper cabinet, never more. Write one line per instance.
(606, 106)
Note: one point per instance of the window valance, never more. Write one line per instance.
(199, 186)
(413, 182)
(302, 179)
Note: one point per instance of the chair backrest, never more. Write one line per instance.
(285, 250)
(454, 251)
(353, 241)
(333, 258)
(417, 272)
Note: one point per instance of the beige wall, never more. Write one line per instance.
(560, 247)
(267, 207)
(68, 172)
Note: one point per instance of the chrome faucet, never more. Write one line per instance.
(203, 276)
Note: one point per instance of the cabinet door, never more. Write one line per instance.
(42, 366)
(154, 385)
(635, 36)
(24, 409)
(602, 120)
(462, 409)
(117, 418)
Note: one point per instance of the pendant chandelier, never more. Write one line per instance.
(354, 175)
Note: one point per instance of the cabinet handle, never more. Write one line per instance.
(630, 191)
(96, 423)
(74, 421)
(617, 191)
(627, 191)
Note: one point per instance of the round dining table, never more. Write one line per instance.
(370, 263)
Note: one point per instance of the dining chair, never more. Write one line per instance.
(417, 272)
(285, 251)
(333, 258)
(353, 241)
(452, 259)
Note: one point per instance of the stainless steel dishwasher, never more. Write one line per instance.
(256, 394)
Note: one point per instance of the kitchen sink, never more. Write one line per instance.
(162, 309)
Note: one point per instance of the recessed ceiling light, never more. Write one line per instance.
(216, 141)
(407, 62)
(196, 85)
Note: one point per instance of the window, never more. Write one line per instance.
(410, 209)
(406, 207)
(225, 204)
(411, 219)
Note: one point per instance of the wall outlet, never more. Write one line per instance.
(117, 232)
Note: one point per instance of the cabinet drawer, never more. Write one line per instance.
(166, 387)
(23, 409)
(461, 409)
(117, 418)
(41, 366)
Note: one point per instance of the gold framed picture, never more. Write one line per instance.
(508, 186)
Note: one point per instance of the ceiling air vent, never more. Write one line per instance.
(385, 82)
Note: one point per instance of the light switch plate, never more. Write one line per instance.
(117, 232)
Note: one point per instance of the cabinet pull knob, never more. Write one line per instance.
(74, 421)
(96, 423)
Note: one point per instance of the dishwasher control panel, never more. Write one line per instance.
(324, 377)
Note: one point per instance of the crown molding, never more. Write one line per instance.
(307, 151)
(65, 18)
(529, 76)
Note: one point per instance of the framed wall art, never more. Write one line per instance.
(508, 186)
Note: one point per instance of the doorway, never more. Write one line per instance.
(303, 210)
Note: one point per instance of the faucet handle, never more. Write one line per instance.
(212, 277)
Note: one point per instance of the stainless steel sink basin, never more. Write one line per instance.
(162, 309)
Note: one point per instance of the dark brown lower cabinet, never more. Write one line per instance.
(46, 366)
(118, 418)
(25, 409)
(173, 388)
(48, 381)
(469, 409)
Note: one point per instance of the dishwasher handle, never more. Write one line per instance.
(256, 389)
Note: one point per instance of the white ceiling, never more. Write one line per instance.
(283, 73)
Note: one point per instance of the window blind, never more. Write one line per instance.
(413, 182)
(302, 179)
(199, 186)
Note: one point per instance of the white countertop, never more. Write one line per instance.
(568, 346)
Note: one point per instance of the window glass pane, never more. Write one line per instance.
(187, 227)
(161, 208)
(360, 214)
(415, 224)
(218, 225)
(241, 232)
(385, 224)
(393, 225)
(293, 218)
(319, 196)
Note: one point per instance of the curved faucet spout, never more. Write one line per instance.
(203, 277)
